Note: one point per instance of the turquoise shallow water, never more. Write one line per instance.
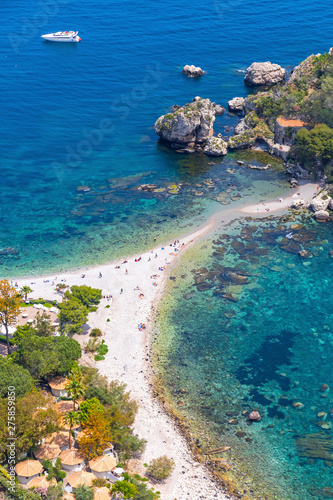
(265, 345)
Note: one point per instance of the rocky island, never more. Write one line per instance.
(190, 128)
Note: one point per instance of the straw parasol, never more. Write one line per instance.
(104, 463)
(81, 478)
(71, 457)
(58, 383)
(41, 482)
(58, 438)
(48, 451)
(28, 468)
(102, 493)
(63, 407)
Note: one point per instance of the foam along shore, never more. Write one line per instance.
(305, 191)
(128, 351)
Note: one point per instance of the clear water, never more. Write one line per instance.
(267, 351)
(82, 115)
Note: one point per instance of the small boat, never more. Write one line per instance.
(62, 36)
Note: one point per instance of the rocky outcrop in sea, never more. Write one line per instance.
(192, 70)
(189, 127)
(264, 73)
(236, 105)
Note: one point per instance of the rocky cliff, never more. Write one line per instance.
(188, 127)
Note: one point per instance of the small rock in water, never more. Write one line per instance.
(240, 434)
(298, 405)
(255, 416)
(324, 387)
(192, 70)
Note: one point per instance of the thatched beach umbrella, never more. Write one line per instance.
(81, 478)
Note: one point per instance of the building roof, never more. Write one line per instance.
(102, 493)
(290, 123)
(41, 482)
(63, 407)
(47, 450)
(71, 457)
(82, 477)
(60, 439)
(104, 463)
(58, 383)
(69, 496)
(28, 468)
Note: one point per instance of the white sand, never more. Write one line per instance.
(305, 191)
(125, 360)
(128, 347)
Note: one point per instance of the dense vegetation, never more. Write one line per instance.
(306, 95)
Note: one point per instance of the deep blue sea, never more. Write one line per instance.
(75, 115)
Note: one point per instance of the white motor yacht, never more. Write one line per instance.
(62, 36)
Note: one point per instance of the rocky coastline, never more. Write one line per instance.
(274, 120)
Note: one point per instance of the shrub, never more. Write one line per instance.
(92, 345)
(96, 332)
(99, 482)
(160, 468)
(83, 493)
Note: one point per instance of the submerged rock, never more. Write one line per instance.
(192, 70)
(254, 416)
(264, 73)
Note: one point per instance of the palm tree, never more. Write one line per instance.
(75, 387)
(25, 290)
(71, 418)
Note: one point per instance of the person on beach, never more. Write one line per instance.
(121, 290)
(154, 239)
(126, 272)
(156, 255)
(100, 275)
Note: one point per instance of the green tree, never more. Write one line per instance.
(75, 387)
(43, 326)
(54, 492)
(83, 493)
(160, 468)
(73, 314)
(47, 356)
(87, 406)
(9, 307)
(54, 471)
(35, 419)
(71, 418)
(127, 489)
(16, 376)
(89, 297)
(25, 290)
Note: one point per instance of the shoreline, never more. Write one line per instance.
(128, 359)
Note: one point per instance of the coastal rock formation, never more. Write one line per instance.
(219, 110)
(236, 104)
(298, 204)
(215, 146)
(320, 202)
(192, 70)
(264, 73)
(243, 140)
(321, 215)
(189, 127)
(241, 127)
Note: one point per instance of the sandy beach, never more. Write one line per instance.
(128, 351)
(136, 286)
(305, 191)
